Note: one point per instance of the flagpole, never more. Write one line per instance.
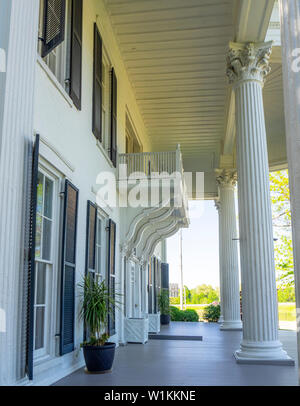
(181, 272)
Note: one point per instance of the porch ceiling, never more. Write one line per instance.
(174, 52)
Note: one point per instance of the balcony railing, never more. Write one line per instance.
(149, 163)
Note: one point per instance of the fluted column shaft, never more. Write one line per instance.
(247, 68)
(290, 39)
(226, 180)
(19, 32)
(218, 207)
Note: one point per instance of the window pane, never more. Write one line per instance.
(39, 327)
(48, 198)
(98, 265)
(41, 284)
(40, 187)
(52, 62)
(47, 225)
(98, 107)
(71, 225)
(38, 236)
(99, 229)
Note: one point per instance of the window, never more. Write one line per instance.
(150, 286)
(44, 262)
(97, 86)
(60, 43)
(100, 249)
(133, 145)
(58, 60)
(111, 274)
(95, 243)
(106, 68)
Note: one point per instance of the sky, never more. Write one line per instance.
(200, 247)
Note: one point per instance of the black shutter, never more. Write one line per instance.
(113, 122)
(54, 25)
(31, 261)
(97, 85)
(69, 231)
(165, 276)
(76, 53)
(111, 272)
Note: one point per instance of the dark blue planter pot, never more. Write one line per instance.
(99, 358)
(165, 319)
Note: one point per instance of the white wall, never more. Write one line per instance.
(67, 138)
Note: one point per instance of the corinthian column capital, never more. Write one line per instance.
(248, 61)
(226, 177)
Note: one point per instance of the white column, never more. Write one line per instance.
(218, 207)
(226, 180)
(290, 40)
(19, 20)
(248, 64)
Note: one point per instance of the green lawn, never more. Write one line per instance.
(286, 311)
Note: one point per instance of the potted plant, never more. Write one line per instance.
(164, 306)
(95, 306)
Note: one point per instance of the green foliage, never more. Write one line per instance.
(190, 315)
(174, 300)
(183, 315)
(286, 294)
(175, 313)
(212, 313)
(280, 197)
(202, 294)
(163, 302)
(95, 305)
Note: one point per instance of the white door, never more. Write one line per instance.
(137, 290)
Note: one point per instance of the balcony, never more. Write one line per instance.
(147, 224)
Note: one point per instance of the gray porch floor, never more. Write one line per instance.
(208, 362)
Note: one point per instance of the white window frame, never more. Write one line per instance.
(100, 269)
(62, 52)
(51, 316)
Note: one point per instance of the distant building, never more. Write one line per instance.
(174, 289)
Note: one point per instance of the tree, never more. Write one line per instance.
(280, 197)
(202, 294)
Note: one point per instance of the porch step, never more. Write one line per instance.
(174, 337)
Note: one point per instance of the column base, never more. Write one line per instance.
(221, 319)
(231, 325)
(263, 353)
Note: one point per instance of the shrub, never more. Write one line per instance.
(190, 315)
(212, 312)
(183, 315)
(175, 313)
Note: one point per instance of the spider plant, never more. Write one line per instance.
(96, 304)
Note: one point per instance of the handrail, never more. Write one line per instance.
(149, 162)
